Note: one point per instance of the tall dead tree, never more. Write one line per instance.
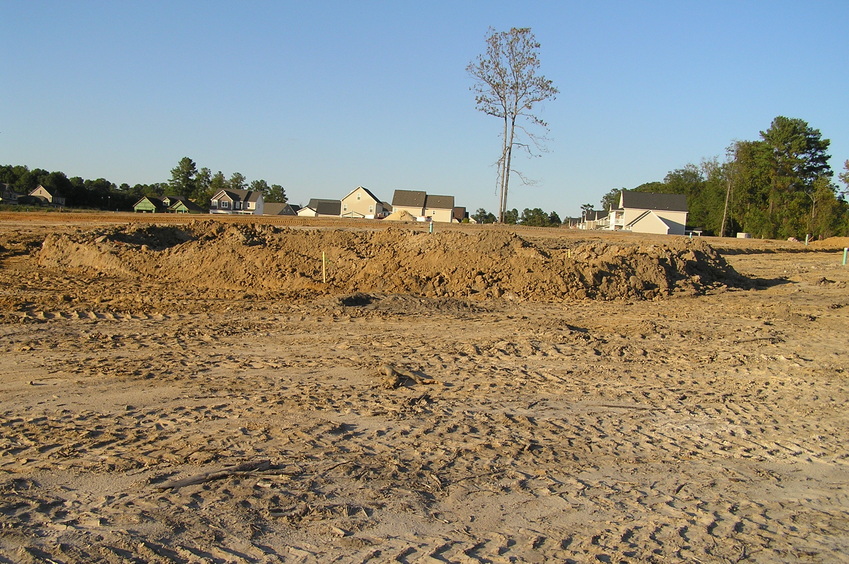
(507, 86)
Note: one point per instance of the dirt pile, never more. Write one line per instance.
(269, 260)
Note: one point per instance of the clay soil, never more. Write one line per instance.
(184, 390)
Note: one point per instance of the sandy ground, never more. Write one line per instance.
(700, 427)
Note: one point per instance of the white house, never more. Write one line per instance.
(248, 202)
(645, 212)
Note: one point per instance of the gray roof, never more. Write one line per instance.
(325, 207)
(440, 202)
(242, 195)
(409, 198)
(650, 201)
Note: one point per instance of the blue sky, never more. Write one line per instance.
(321, 97)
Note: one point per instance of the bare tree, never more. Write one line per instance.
(507, 86)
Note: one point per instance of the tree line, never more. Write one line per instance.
(199, 185)
(531, 217)
(776, 187)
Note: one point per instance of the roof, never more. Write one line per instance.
(649, 215)
(325, 207)
(440, 202)
(51, 191)
(280, 208)
(409, 198)
(240, 195)
(366, 190)
(154, 201)
(650, 201)
(182, 202)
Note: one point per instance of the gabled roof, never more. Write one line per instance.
(154, 201)
(277, 208)
(650, 201)
(181, 202)
(409, 198)
(52, 191)
(364, 189)
(239, 195)
(649, 215)
(439, 202)
(325, 207)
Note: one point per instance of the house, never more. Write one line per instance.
(410, 201)
(8, 194)
(360, 202)
(149, 204)
(275, 208)
(321, 208)
(594, 219)
(237, 201)
(645, 212)
(47, 196)
(459, 214)
(181, 204)
(426, 207)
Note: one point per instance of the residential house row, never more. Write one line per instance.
(642, 212)
(359, 203)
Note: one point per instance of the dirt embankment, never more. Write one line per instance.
(270, 260)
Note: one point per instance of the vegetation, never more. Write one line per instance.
(507, 86)
(777, 187)
(186, 180)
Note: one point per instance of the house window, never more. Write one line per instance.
(225, 205)
(214, 204)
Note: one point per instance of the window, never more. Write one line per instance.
(225, 205)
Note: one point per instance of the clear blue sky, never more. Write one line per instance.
(322, 96)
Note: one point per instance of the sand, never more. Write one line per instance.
(197, 391)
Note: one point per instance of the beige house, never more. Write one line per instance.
(426, 207)
(645, 212)
(48, 196)
(360, 202)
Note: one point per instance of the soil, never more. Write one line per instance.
(241, 390)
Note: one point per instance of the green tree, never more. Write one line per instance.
(511, 217)
(611, 199)
(260, 186)
(237, 181)
(217, 182)
(534, 217)
(507, 86)
(276, 194)
(182, 181)
(775, 179)
(844, 177)
(554, 219)
(201, 193)
(483, 216)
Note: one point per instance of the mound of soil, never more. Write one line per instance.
(266, 260)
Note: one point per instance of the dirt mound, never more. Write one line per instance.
(832, 243)
(400, 215)
(264, 260)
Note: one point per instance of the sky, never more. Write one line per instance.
(324, 96)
